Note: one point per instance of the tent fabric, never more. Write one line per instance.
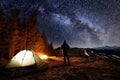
(25, 58)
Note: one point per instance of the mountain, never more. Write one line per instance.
(107, 48)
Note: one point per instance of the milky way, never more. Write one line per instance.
(83, 23)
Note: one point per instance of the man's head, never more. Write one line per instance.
(64, 41)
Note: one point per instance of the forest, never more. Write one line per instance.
(18, 33)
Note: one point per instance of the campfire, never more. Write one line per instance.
(44, 57)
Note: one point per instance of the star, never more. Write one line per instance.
(82, 23)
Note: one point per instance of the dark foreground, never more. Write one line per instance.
(80, 69)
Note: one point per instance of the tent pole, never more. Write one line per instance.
(23, 58)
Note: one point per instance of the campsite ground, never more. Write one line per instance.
(81, 68)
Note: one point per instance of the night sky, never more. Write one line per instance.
(82, 23)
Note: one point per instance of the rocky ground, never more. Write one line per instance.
(80, 69)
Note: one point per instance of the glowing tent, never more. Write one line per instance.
(25, 58)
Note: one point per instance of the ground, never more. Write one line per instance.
(81, 68)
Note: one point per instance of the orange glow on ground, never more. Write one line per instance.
(44, 57)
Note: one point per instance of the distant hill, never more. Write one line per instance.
(105, 52)
(72, 52)
(116, 48)
(108, 50)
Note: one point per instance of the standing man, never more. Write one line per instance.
(65, 47)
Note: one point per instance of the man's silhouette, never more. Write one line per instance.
(65, 47)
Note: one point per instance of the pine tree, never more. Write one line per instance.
(22, 34)
(13, 32)
(3, 35)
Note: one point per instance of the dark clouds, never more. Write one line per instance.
(83, 23)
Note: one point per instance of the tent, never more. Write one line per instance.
(25, 58)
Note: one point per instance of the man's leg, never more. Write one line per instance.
(68, 60)
(64, 59)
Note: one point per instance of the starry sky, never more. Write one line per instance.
(82, 23)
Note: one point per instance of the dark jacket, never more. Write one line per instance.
(65, 47)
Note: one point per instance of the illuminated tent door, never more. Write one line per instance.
(25, 58)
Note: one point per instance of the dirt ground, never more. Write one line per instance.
(80, 69)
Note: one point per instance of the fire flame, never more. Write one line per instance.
(44, 57)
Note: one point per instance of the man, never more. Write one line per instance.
(65, 47)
